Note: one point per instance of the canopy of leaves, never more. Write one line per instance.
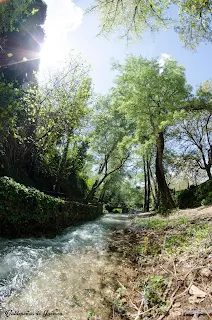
(133, 17)
(13, 13)
(151, 93)
(21, 35)
(41, 142)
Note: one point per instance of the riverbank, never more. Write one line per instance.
(118, 267)
(163, 268)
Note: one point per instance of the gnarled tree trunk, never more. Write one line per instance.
(165, 194)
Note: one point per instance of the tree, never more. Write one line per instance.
(203, 98)
(59, 107)
(134, 17)
(145, 164)
(44, 138)
(21, 36)
(107, 142)
(147, 182)
(121, 192)
(152, 95)
(10, 109)
(195, 133)
(13, 12)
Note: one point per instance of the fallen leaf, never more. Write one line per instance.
(194, 299)
(206, 272)
(194, 290)
(177, 305)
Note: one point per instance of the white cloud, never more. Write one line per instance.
(163, 58)
(62, 16)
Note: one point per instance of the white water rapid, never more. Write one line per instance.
(56, 278)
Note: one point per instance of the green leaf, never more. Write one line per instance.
(164, 308)
(34, 11)
(156, 278)
(10, 54)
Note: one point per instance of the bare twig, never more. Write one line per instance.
(197, 312)
(172, 299)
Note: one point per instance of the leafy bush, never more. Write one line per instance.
(25, 211)
(154, 291)
(207, 200)
(195, 196)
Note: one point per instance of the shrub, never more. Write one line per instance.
(207, 200)
(25, 211)
(195, 196)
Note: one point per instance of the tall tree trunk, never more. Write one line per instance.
(98, 182)
(207, 166)
(91, 194)
(102, 194)
(145, 185)
(165, 194)
(148, 185)
(208, 170)
(155, 192)
(62, 164)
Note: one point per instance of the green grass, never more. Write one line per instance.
(117, 210)
(161, 223)
(193, 237)
(153, 289)
(181, 236)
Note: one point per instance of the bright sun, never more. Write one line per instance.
(63, 16)
(50, 54)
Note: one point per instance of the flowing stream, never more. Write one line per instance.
(56, 278)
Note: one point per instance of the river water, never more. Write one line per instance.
(61, 276)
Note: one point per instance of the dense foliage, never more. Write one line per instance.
(153, 96)
(195, 196)
(13, 13)
(21, 35)
(40, 142)
(192, 20)
(148, 137)
(29, 212)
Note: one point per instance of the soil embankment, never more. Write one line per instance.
(163, 267)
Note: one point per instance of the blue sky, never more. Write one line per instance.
(68, 28)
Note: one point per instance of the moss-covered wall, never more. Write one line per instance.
(27, 212)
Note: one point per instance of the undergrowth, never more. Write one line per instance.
(168, 256)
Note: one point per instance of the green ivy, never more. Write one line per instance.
(25, 211)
